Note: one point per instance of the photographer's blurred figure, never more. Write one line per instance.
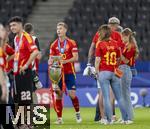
(4, 92)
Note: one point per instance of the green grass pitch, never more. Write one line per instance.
(142, 120)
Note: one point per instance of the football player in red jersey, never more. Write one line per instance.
(131, 53)
(107, 55)
(113, 22)
(67, 49)
(25, 52)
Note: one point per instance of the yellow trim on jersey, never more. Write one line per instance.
(1, 51)
(131, 61)
(28, 37)
(73, 69)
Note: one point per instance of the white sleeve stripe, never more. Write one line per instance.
(75, 49)
(33, 47)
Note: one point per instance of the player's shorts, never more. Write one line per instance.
(69, 81)
(24, 88)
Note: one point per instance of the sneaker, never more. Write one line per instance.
(119, 121)
(59, 121)
(122, 122)
(114, 118)
(128, 122)
(108, 123)
(103, 121)
(78, 117)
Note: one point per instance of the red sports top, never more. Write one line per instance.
(9, 51)
(109, 53)
(27, 46)
(114, 35)
(129, 53)
(71, 47)
(2, 59)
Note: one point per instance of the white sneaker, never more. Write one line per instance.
(122, 122)
(119, 121)
(78, 117)
(108, 123)
(114, 118)
(128, 122)
(103, 121)
(59, 121)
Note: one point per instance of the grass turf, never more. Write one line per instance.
(142, 120)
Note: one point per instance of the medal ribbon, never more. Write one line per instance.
(17, 48)
(62, 50)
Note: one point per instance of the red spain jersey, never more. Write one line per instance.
(2, 59)
(109, 53)
(6, 51)
(9, 51)
(71, 47)
(114, 35)
(129, 53)
(27, 46)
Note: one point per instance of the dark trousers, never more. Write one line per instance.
(24, 88)
(97, 113)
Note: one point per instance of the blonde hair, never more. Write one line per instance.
(106, 30)
(132, 41)
(62, 24)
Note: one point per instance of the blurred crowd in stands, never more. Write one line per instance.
(85, 16)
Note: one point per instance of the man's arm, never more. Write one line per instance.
(73, 59)
(97, 62)
(32, 57)
(38, 46)
(2, 78)
(3, 85)
(91, 53)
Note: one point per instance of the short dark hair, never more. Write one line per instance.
(15, 19)
(28, 27)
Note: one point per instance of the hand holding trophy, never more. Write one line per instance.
(55, 71)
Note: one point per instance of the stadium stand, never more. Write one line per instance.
(85, 17)
(10, 8)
